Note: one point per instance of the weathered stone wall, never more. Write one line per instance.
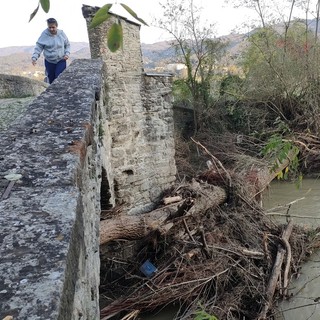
(20, 87)
(139, 120)
(49, 267)
(11, 108)
(100, 135)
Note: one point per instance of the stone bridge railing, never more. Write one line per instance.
(101, 135)
(49, 217)
(20, 87)
(68, 156)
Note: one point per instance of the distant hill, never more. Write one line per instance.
(13, 50)
(159, 56)
(16, 60)
(75, 47)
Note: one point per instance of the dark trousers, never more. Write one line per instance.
(53, 70)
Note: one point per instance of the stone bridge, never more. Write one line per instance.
(101, 135)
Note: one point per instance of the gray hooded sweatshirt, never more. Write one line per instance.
(54, 47)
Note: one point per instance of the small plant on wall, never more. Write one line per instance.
(115, 33)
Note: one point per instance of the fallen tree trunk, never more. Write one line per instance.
(206, 196)
(136, 227)
(197, 249)
(264, 175)
(276, 271)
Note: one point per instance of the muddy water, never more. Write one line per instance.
(305, 205)
(305, 200)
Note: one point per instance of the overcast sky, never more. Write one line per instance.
(16, 30)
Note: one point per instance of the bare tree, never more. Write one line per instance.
(282, 59)
(196, 46)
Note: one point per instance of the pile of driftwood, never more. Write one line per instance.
(212, 245)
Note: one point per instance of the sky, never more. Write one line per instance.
(17, 31)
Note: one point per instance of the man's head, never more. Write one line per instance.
(52, 25)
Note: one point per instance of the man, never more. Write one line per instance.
(56, 50)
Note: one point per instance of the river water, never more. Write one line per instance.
(305, 209)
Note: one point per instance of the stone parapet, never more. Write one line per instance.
(49, 217)
(100, 135)
(20, 87)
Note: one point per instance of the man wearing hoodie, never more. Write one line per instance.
(56, 50)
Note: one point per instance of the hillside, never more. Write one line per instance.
(17, 60)
(157, 56)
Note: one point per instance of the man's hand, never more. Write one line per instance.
(34, 62)
(66, 57)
